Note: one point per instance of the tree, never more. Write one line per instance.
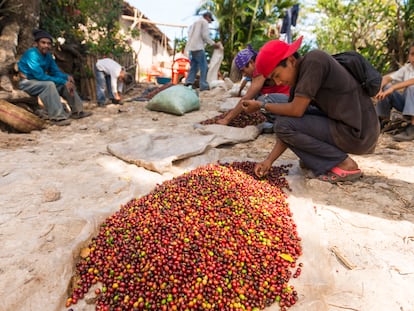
(242, 22)
(16, 27)
(94, 23)
(401, 35)
(12, 12)
(360, 25)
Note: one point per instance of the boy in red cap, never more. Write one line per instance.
(322, 142)
(261, 88)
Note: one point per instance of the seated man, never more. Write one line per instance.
(265, 90)
(110, 76)
(390, 97)
(40, 76)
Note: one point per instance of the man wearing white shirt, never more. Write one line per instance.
(110, 76)
(391, 96)
(198, 37)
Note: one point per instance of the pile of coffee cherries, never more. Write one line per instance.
(242, 120)
(215, 238)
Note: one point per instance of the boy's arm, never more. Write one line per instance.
(295, 108)
(394, 87)
(262, 168)
(385, 80)
(255, 87)
(403, 84)
(242, 85)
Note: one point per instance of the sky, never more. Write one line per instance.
(177, 12)
(182, 12)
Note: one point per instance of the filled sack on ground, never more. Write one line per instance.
(176, 100)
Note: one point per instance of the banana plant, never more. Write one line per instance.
(242, 22)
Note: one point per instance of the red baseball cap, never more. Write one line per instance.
(272, 53)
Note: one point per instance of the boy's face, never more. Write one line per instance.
(248, 70)
(284, 75)
(411, 56)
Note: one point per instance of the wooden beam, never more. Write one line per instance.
(143, 20)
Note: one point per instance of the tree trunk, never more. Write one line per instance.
(19, 18)
(27, 16)
(8, 45)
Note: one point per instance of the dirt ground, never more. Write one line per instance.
(57, 185)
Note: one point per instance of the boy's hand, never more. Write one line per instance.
(262, 168)
(382, 94)
(250, 105)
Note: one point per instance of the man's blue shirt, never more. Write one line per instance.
(36, 66)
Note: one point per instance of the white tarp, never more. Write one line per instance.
(157, 152)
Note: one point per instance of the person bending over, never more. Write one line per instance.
(110, 77)
(322, 142)
(261, 88)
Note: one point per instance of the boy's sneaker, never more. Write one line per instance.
(407, 135)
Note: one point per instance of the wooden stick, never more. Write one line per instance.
(342, 258)
(143, 20)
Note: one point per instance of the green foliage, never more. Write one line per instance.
(401, 35)
(7, 9)
(244, 21)
(94, 23)
(59, 17)
(179, 44)
(360, 25)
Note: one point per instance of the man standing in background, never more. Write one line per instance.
(198, 37)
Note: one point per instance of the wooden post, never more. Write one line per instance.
(90, 61)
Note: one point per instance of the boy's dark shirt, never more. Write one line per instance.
(333, 90)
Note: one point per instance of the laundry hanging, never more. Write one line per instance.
(289, 20)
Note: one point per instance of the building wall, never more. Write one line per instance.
(149, 54)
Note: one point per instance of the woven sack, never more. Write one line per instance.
(19, 118)
(177, 99)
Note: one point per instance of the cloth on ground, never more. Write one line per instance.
(229, 104)
(157, 152)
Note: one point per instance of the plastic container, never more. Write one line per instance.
(163, 80)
